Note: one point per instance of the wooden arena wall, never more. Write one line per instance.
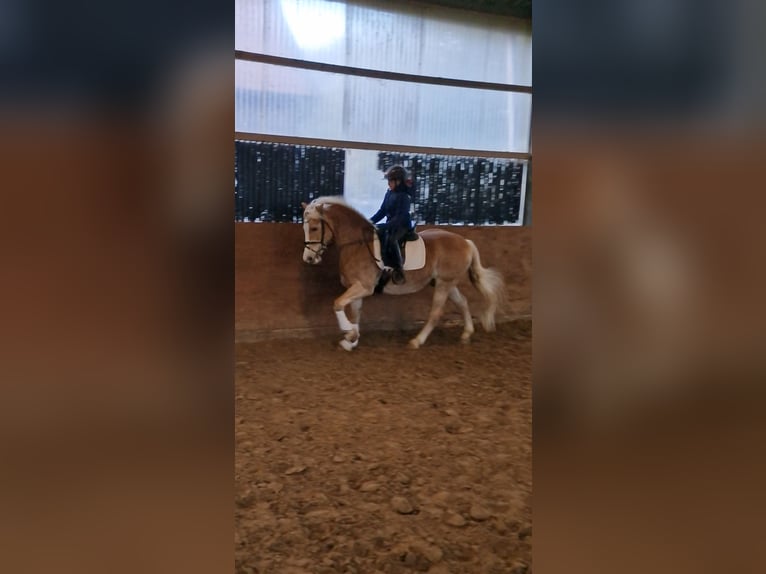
(278, 295)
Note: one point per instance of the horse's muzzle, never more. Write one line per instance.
(311, 257)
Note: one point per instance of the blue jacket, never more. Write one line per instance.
(395, 208)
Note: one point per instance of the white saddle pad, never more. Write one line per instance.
(414, 254)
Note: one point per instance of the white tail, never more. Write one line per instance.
(490, 284)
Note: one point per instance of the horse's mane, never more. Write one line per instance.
(340, 200)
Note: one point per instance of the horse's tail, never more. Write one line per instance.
(490, 284)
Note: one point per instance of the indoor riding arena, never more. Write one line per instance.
(383, 459)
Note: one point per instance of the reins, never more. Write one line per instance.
(323, 246)
(367, 242)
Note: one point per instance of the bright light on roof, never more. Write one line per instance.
(315, 24)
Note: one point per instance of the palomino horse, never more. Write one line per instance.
(449, 257)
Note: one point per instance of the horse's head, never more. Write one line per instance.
(317, 234)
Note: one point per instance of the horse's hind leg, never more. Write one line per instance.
(462, 303)
(441, 292)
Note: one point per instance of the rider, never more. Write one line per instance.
(396, 209)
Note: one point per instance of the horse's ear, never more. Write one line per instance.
(304, 204)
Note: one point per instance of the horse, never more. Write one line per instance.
(449, 257)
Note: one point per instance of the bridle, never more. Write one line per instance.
(323, 246)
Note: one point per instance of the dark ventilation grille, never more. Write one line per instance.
(271, 180)
(462, 190)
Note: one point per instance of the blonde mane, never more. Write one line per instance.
(339, 200)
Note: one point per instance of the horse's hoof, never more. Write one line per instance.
(465, 339)
(348, 345)
(414, 344)
(352, 337)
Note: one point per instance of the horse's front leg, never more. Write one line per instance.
(352, 297)
(354, 315)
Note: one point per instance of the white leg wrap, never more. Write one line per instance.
(345, 324)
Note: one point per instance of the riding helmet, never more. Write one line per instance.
(396, 172)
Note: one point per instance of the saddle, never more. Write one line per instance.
(411, 235)
(416, 260)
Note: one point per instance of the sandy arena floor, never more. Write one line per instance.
(385, 459)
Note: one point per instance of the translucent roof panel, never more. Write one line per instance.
(303, 103)
(413, 39)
